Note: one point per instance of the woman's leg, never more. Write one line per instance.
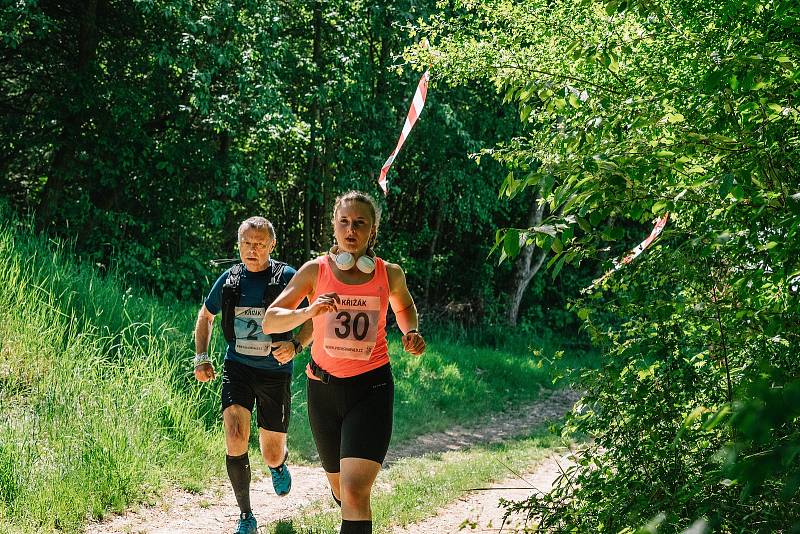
(366, 432)
(326, 428)
(355, 485)
(333, 480)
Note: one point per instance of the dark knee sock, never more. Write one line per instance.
(239, 473)
(356, 527)
(335, 499)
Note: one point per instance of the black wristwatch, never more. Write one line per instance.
(298, 347)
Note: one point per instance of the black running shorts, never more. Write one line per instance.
(352, 417)
(246, 386)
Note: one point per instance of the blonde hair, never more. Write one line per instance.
(364, 198)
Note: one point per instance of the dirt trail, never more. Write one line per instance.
(215, 511)
(480, 510)
(495, 428)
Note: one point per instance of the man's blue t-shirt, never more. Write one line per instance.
(252, 346)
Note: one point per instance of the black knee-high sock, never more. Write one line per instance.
(356, 527)
(239, 473)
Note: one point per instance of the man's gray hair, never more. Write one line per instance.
(257, 223)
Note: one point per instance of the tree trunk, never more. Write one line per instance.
(528, 263)
(328, 193)
(313, 152)
(381, 83)
(64, 155)
(431, 252)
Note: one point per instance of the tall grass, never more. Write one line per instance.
(95, 412)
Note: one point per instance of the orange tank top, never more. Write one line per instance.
(351, 341)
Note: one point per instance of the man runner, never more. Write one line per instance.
(258, 367)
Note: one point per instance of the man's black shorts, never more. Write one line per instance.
(246, 386)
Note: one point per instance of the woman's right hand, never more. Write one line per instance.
(325, 303)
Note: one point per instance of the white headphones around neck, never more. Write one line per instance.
(345, 261)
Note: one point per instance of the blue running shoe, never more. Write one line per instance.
(281, 478)
(247, 524)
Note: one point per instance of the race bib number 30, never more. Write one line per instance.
(250, 339)
(351, 332)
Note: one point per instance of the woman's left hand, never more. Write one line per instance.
(413, 343)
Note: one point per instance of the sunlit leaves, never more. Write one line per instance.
(689, 108)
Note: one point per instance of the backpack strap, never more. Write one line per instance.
(271, 292)
(231, 291)
(277, 268)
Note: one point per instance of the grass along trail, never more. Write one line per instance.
(214, 510)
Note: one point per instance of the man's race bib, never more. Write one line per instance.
(250, 339)
(351, 332)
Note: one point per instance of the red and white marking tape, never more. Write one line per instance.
(633, 254)
(657, 229)
(413, 114)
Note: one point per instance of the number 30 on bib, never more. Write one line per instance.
(351, 332)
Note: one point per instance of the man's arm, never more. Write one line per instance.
(305, 334)
(284, 351)
(202, 339)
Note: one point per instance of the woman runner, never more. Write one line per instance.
(350, 385)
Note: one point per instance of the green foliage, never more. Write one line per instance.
(96, 414)
(631, 110)
(140, 128)
(145, 132)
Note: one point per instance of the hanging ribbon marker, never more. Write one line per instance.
(633, 254)
(413, 114)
